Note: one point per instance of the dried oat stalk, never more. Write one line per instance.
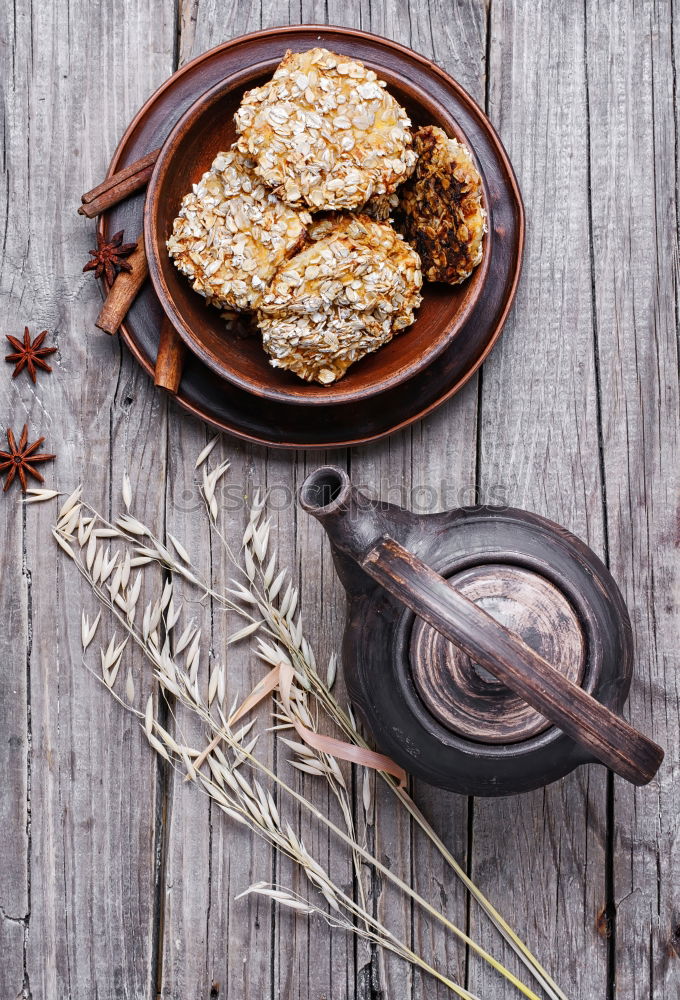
(267, 600)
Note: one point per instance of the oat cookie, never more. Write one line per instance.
(339, 299)
(232, 233)
(325, 133)
(440, 209)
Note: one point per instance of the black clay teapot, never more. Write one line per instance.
(488, 650)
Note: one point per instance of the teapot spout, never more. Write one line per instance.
(353, 522)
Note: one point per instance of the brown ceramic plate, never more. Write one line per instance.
(205, 129)
(230, 407)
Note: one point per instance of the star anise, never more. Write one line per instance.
(29, 355)
(108, 257)
(21, 458)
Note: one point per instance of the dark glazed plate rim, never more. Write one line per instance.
(231, 409)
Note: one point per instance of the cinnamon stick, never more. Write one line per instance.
(116, 194)
(118, 186)
(170, 358)
(123, 291)
(121, 175)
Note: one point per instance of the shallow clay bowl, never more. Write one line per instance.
(206, 129)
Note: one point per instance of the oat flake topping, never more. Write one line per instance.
(232, 233)
(325, 133)
(339, 299)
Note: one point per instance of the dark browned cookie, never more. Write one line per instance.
(440, 208)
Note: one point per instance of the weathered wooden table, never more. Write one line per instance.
(117, 880)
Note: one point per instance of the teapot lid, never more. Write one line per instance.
(465, 697)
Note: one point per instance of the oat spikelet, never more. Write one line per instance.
(88, 631)
(39, 496)
(127, 491)
(69, 502)
(206, 451)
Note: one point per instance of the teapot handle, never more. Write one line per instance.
(609, 738)
(358, 530)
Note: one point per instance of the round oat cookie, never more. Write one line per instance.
(440, 209)
(339, 299)
(325, 133)
(232, 233)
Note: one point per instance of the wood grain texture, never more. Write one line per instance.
(547, 850)
(117, 881)
(15, 756)
(79, 843)
(633, 165)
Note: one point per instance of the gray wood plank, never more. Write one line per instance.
(308, 960)
(209, 942)
(541, 857)
(15, 599)
(80, 900)
(208, 938)
(633, 163)
(93, 785)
